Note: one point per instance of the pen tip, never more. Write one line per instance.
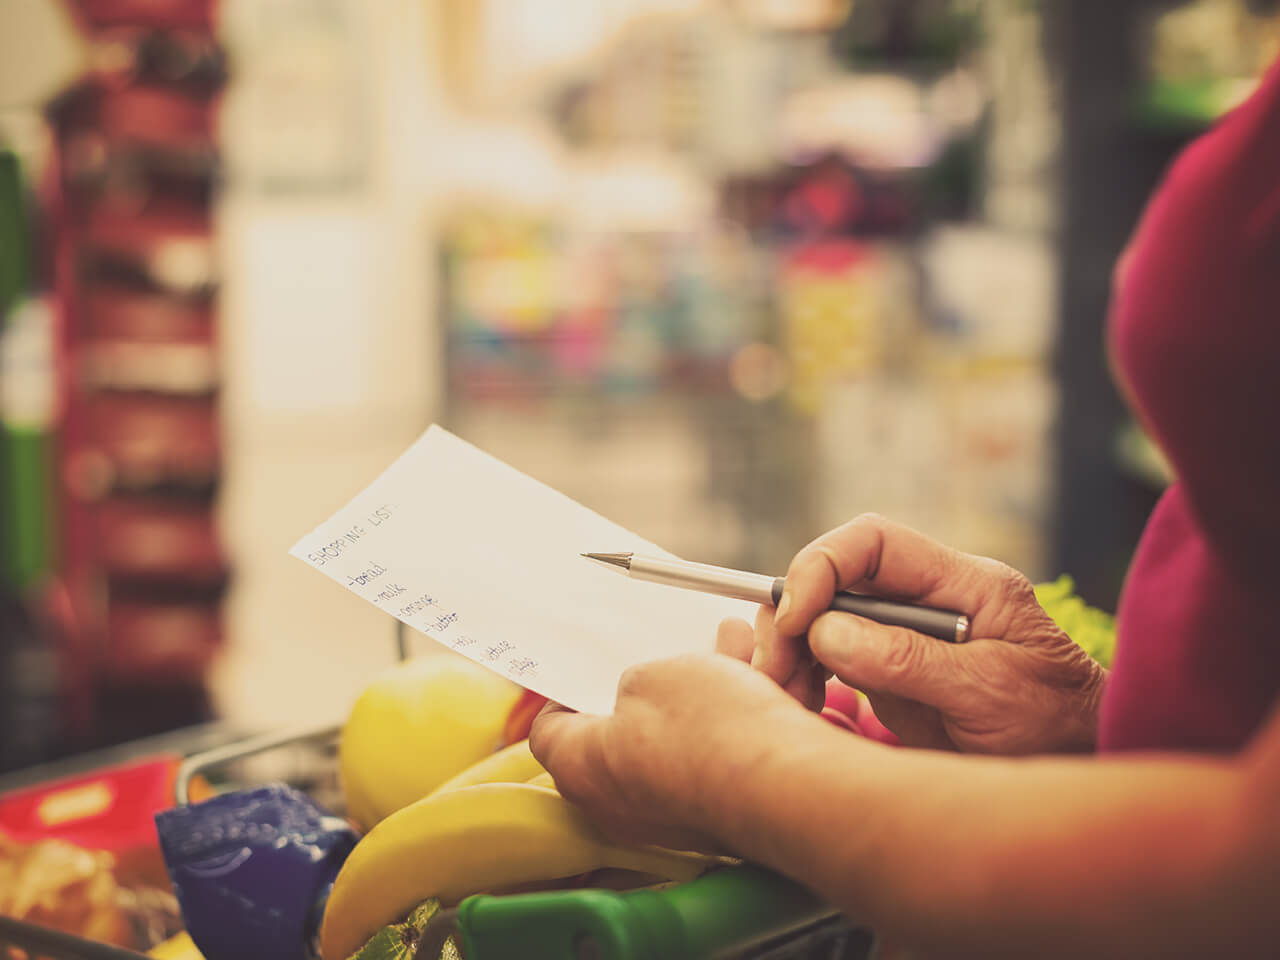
(622, 560)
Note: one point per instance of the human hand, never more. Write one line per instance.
(682, 734)
(806, 682)
(1020, 685)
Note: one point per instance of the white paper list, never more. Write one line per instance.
(485, 560)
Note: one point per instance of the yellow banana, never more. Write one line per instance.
(513, 764)
(543, 779)
(443, 710)
(476, 839)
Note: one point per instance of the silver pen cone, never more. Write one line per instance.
(620, 561)
(690, 576)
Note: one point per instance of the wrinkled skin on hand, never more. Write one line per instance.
(1019, 686)
(687, 730)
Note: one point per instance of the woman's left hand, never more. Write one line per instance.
(682, 732)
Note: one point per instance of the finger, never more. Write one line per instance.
(876, 555)
(818, 677)
(775, 656)
(808, 685)
(559, 732)
(910, 722)
(868, 552)
(734, 638)
(871, 656)
(552, 707)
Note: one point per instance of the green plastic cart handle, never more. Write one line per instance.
(688, 921)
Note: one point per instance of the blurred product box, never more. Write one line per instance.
(108, 810)
(80, 854)
(152, 442)
(161, 541)
(154, 116)
(187, 60)
(179, 14)
(136, 180)
(167, 251)
(161, 641)
(160, 367)
(111, 316)
(830, 308)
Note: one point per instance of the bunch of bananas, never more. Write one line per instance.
(435, 764)
(486, 830)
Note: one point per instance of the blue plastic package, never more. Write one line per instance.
(251, 870)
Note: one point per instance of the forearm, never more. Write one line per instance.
(991, 856)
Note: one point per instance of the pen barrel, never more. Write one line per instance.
(948, 625)
(701, 576)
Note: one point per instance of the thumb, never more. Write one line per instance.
(893, 660)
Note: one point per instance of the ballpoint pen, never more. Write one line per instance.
(949, 625)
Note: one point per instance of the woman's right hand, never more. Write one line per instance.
(1019, 686)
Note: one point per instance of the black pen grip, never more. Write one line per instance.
(948, 625)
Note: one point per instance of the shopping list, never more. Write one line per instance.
(486, 561)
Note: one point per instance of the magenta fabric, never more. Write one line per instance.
(1195, 340)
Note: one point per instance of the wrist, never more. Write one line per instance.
(753, 786)
(730, 760)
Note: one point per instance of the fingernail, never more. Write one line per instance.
(783, 605)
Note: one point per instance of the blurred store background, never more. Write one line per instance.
(727, 271)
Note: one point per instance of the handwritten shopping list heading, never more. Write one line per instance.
(485, 560)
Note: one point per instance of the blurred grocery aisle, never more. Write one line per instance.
(728, 271)
(331, 355)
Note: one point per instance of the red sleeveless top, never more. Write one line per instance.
(1195, 338)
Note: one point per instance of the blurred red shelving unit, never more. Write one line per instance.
(128, 203)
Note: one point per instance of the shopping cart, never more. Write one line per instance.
(739, 913)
